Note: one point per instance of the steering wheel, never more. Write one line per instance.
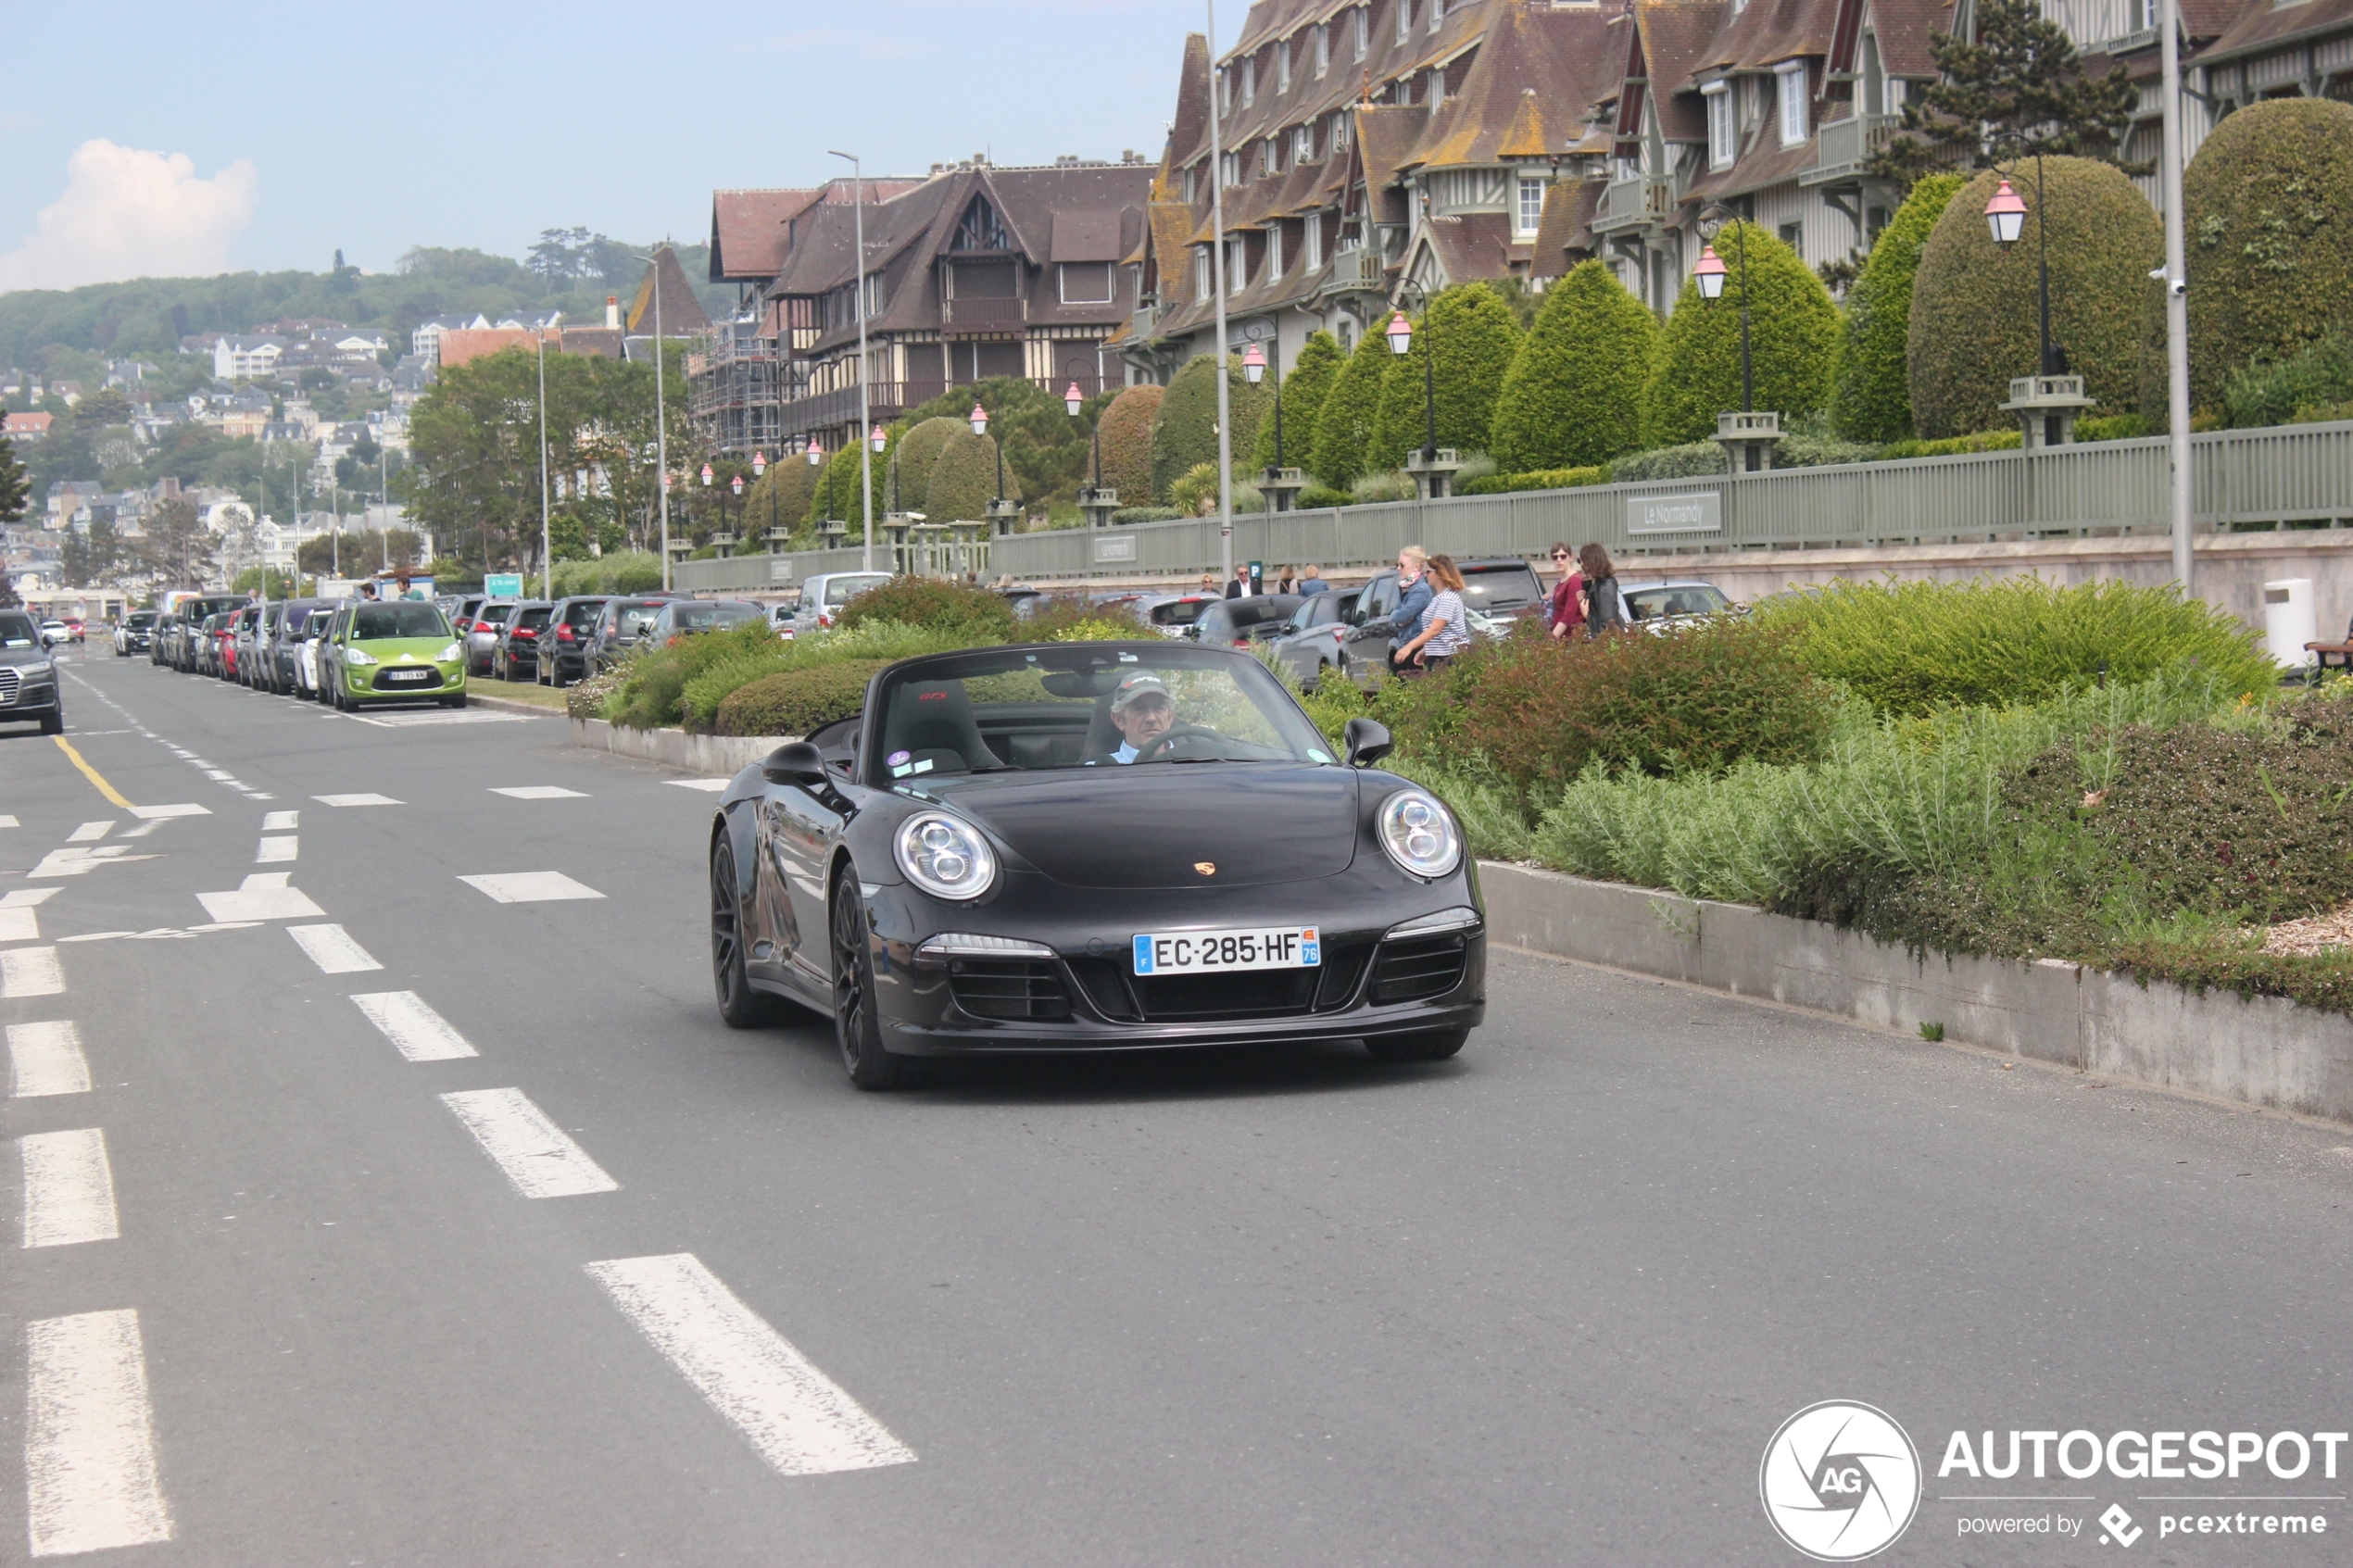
(1168, 739)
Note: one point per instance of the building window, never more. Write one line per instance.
(1790, 80)
(1282, 65)
(1275, 250)
(1230, 170)
(1237, 265)
(1363, 26)
(1302, 145)
(1314, 232)
(1189, 172)
(1086, 283)
(1530, 207)
(1323, 48)
(1224, 91)
(1200, 272)
(1249, 81)
(1793, 236)
(1340, 131)
(1404, 19)
(1434, 89)
(1720, 137)
(1437, 14)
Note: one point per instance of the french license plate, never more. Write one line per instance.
(406, 674)
(1204, 952)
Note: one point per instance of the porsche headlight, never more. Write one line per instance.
(946, 856)
(1420, 834)
(449, 655)
(358, 656)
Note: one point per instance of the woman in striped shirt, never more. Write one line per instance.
(1445, 625)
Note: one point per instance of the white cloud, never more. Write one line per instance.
(127, 213)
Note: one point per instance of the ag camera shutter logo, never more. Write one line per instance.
(1841, 1481)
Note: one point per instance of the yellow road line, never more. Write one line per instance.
(114, 796)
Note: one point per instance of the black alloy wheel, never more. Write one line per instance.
(740, 1007)
(1436, 1044)
(857, 1024)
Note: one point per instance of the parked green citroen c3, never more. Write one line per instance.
(398, 651)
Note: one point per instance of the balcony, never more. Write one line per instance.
(966, 318)
(1358, 269)
(1845, 146)
(1634, 204)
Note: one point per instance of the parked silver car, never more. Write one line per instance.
(482, 634)
(1658, 605)
(825, 594)
(1313, 641)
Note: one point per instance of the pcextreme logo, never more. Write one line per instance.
(1840, 1481)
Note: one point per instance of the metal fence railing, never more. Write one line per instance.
(2292, 475)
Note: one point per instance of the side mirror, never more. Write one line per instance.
(1367, 740)
(795, 762)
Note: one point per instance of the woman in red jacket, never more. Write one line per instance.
(1565, 615)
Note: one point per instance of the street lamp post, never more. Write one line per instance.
(546, 553)
(1710, 274)
(1429, 471)
(1748, 437)
(1218, 280)
(865, 412)
(662, 427)
(2047, 402)
(2006, 216)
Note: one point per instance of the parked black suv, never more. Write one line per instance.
(516, 653)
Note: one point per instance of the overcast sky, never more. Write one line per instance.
(182, 138)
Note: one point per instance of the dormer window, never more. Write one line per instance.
(1789, 81)
(1282, 65)
(1201, 284)
(1275, 250)
(1721, 138)
(1270, 157)
(1249, 83)
(1302, 145)
(1404, 19)
(1323, 47)
(1437, 14)
(1363, 25)
(1340, 131)
(1314, 226)
(1528, 210)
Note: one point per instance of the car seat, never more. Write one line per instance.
(932, 722)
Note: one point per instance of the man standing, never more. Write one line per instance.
(1414, 595)
(1240, 587)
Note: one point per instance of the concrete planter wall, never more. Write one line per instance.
(719, 755)
(2261, 1050)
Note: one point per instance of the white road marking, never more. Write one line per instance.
(26, 898)
(68, 1188)
(31, 971)
(141, 830)
(158, 813)
(8, 823)
(218, 777)
(530, 887)
(699, 783)
(802, 1422)
(274, 849)
(416, 1031)
(46, 1059)
(89, 833)
(332, 948)
(540, 792)
(90, 1438)
(263, 895)
(74, 860)
(281, 822)
(355, 800)
(18, 926)
(97, 936)
(530, 1149)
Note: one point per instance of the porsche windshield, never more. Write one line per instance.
(1089, 705)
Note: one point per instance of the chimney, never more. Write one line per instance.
(613, 310)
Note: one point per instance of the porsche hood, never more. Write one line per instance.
(1156, 826)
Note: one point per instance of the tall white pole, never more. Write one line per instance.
(2177, 302)
(547, 558)
(662, 426)
(865, 413)
(1217, 280)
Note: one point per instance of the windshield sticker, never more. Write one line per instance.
(1317, 755)
(896, 757)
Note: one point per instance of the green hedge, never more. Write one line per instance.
(911, 457)
(965, 477)
(932, 605)
(1127, 431)
(2266, 205)
(1325, 495)
(1793, 336)
(1955, 445)
(1870, 400)
(2312, 383)
(1186, 432)
(1544, 479)
(1974, 306)
(793, 702)
(1474, 335)
(1694, 459)
(1344, 425)
(1573, 397)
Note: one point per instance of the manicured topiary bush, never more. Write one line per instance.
(963, 479)
(1325, 495)
(1573, 397)
(1344, 424)
(1953, 446)
(912, 456)
(2307, 385)
(2266, 205)
(780, 498)
(1305, 385)
(835, 496)
(1126, 431)
(1474, 334)
(933, 606)
(1793, 335)
(794, 702)
(1186, 432)
(1872, 401)
(1692, 459)
(1973, 307)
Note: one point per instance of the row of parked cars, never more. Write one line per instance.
(347, 653)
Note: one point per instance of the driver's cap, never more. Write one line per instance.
(1137, 687)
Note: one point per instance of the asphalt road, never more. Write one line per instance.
(1546, 1303)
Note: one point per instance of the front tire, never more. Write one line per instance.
(54, 723)
(1435, 1045)
(740, 1007)
(857, 1024)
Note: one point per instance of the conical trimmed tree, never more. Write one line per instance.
(1474, 334)
(1792, 334)
(1305, 385)
(836, 498)
(1127, 431)
(1573, 397)
(1186, 432)
(963, 479)
(1344, 424)
(1871, 400)
(912, 454)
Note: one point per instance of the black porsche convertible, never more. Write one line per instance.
(1089, 846)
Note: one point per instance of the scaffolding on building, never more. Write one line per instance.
(734, 393)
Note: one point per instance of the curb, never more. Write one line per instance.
(510, 704)
(714, 756)
(2263, 1051)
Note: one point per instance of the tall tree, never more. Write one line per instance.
(1473, 334)
(179, 544)
(1344, 425)
(1305, 385)
(13, 487)
(1573, 397)
(2014, 90)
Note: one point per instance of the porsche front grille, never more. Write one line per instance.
(1409, 972)
(1018, 991)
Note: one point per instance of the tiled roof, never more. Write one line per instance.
(1568, 211)
(1386, 137)
(2259, 26)
(681, 311)
(1904, 27)
(747, 231)
(1763, 164)
(1765, 32)
(1535, 73)
(1474, 244)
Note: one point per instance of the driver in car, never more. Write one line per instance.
(1142, 710)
